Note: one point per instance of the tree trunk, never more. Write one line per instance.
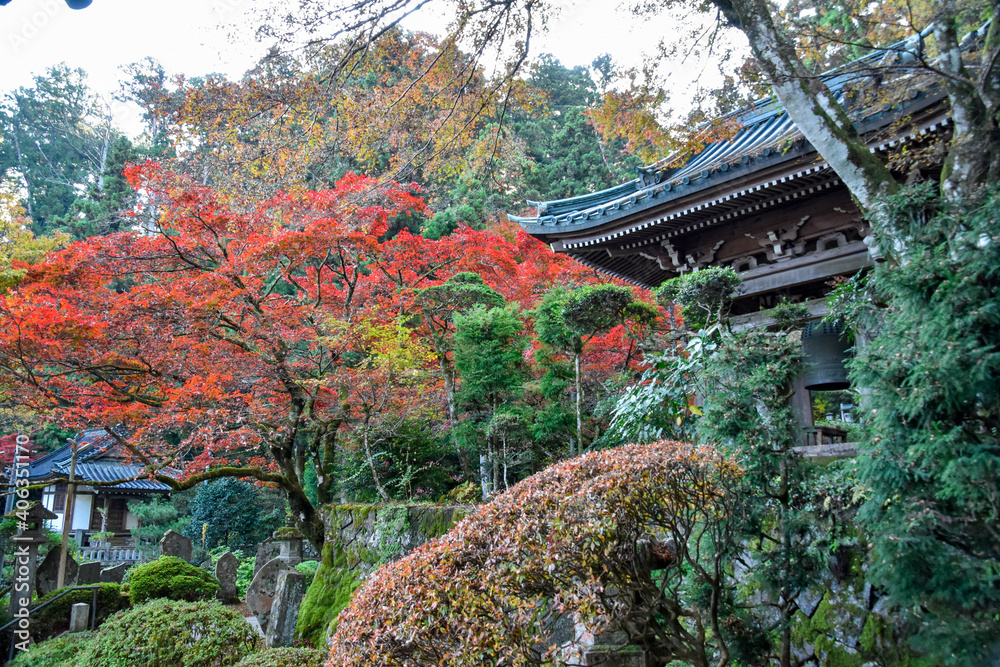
(816, 112)
(579, 406)
(972, 157)
(371, 464)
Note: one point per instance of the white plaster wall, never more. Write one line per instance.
(48, 499)
(81, 511)
(131, 520)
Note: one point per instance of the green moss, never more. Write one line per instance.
(329, 593)
(821, 622)
(873, 631)
(286, 532)
(436, 521)
(170, 577)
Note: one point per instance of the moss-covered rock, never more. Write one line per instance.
(330, 592)
(361, 538)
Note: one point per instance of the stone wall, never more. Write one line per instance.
(359, 539)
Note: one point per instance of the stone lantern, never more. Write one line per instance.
(290, 540)
(30, 533)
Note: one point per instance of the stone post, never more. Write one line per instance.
(285, 608)
(79, 617)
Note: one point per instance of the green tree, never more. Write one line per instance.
(489, 357)
(930, 459)
(60, 145)
(232, 513)
(156, 516)
(568, 319)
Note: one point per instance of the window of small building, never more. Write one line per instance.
(59, 498)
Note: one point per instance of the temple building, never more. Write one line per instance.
(763, 202)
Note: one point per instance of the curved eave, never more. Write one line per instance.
(759, 149)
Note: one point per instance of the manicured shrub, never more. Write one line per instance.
(54, 619)
(285, 657)
(170, 577)
(173, 633)
(57, 652)
(579, 542)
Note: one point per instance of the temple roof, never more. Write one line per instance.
(96, 462)
(765, 163)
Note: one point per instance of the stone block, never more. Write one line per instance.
(263, 588)
(175, 544)
(79, 617)
(88, 573)
(114, 574)
(291, 588)
(267, 551)
(47, 572)
(225, 572)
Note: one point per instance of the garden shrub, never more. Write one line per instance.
(57, 652)
(171, 577)
(554, 548)
(308, 568)
(173, 633)
(285, 657)
(54, 618)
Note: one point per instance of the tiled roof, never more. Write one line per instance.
(767, 136)
(110, 472)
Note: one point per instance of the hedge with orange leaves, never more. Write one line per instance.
(605, 540)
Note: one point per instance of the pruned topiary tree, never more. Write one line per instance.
(612, 541)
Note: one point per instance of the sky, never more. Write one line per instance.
(197, 37)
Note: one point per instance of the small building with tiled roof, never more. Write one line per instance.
(107, 481)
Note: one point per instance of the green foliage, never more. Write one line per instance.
(566, 157)
(170, 577)
(704, 296)
(173, 633)
(59, 145)
(54, 618)
(57, 652)
(788, 315)
(595, 308)
(235, 512)
(285, 657)
(308, 567)
(488, 355)
(330, 592)
(414, 463)
(156, 517)
(931, 455)
(661, 403)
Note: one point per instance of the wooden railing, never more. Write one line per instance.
(823, 441)
(110, 555)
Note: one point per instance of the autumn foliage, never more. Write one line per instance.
(259, 343)
(600, 540)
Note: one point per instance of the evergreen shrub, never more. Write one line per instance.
(173, 633)
(285, 657)
(57, 652)
(54, 619)
(171, 577)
